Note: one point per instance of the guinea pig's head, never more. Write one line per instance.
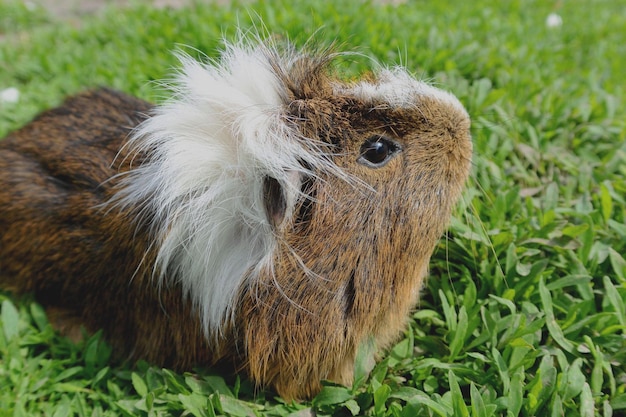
(298, 211)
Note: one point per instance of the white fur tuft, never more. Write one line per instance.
(398, 88)
(208, 152)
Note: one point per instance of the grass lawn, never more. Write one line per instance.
(524, 311)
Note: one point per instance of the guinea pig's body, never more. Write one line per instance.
(268, 216)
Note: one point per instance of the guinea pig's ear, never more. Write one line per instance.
(274, 201)
(279, 199)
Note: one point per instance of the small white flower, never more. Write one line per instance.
(10, 95)
(554, 20)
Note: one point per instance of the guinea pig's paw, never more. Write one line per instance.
(67, 323)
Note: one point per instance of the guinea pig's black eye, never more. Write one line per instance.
(377, 150)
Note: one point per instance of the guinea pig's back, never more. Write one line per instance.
(54, 178)
(63, 240)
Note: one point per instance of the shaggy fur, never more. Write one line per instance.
(245, 221)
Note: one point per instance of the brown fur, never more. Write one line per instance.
(369, 246)
(60, 243)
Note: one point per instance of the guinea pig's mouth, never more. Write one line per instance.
(349, 295)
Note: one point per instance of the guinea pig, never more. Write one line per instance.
(269, 216)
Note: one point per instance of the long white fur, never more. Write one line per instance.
(208, 152)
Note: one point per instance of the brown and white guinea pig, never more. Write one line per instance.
(269, 216)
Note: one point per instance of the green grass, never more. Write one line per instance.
(524, 312)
